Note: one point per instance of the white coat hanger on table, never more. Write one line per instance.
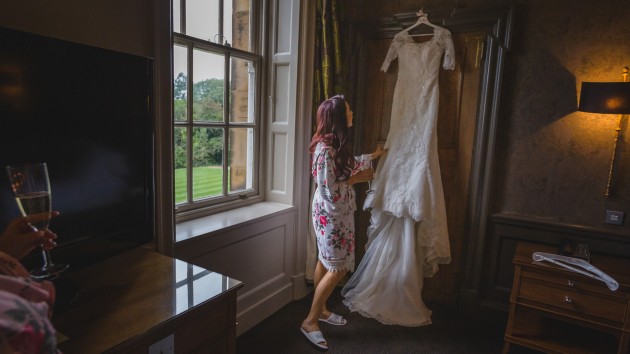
(423, 19)
(577, 265)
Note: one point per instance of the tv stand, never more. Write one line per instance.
(131, 301)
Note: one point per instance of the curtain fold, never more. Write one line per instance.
(329, 71)
(329, 80)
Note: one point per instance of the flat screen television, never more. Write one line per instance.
(86, 112)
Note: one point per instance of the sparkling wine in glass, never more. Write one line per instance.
(370, 190)
(31, 187)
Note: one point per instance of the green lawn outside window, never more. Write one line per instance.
(207, 179)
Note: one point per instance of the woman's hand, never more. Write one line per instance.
(361, 176)
(20, 237)
(378, 152)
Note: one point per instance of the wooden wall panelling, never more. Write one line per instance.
(459, 91)
(373, 123)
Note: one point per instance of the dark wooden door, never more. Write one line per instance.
(459, 90)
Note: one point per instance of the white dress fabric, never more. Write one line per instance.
(408, 234)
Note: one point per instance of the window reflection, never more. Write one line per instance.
(195, 285)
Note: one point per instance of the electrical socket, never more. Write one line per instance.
(614, 217)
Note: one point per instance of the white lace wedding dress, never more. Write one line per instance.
(408, 234)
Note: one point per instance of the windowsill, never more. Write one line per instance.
(226, 220)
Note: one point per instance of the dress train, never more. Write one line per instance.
(387, 286)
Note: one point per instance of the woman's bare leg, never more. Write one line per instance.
(324, 288)
(320, 270)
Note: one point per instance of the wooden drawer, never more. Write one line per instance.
(571, 281)
(579, 301)
(555, 310)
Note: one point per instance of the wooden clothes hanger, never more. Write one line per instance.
(423, 19)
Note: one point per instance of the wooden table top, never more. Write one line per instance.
(150, 287)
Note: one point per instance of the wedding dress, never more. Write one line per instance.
(408, 234)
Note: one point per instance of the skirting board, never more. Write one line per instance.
(263, 308)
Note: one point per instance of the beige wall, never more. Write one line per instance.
(121, 25)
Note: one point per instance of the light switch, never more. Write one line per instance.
(614, 217)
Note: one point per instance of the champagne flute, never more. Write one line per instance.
(31, 187)
(370, 190)
(379, 146)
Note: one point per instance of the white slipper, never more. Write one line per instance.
(316, 337)
(334, 319)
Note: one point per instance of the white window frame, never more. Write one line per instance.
(192, 209)
(174, 228)
(283, 96)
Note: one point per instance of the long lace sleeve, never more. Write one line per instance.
(446, 41)
(392, 53)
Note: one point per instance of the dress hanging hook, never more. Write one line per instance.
(423, 17)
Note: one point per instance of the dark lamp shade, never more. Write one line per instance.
(605, 97)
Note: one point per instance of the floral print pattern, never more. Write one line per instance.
(25, 310)
(333, 210)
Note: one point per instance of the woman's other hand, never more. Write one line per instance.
(20, 237)
(361, 176)
(378, 152)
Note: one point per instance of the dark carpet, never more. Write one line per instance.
(451, 332)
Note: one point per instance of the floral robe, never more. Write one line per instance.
(333, 210)
(25, 311)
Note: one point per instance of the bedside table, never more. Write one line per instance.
(556, 310)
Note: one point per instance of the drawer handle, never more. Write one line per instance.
(568, 300)
(570, 283)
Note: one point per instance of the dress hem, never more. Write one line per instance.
(384, 320)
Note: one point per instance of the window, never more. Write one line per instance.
(216, 103)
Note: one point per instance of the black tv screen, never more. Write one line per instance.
(86, 112)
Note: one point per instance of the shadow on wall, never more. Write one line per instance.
(552, 92)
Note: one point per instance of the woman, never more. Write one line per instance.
(335, 170)
(25, 305)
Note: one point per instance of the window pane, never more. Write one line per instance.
(227, 21)
(237, 23)
(240, 160)
(242, 84)
(215, 105)
(202, 19)
(208, 86)
(180, 93)
(207, 162)
(177, 16)
(181, 162)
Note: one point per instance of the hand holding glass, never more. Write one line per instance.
(31, 187)
(376, 154)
